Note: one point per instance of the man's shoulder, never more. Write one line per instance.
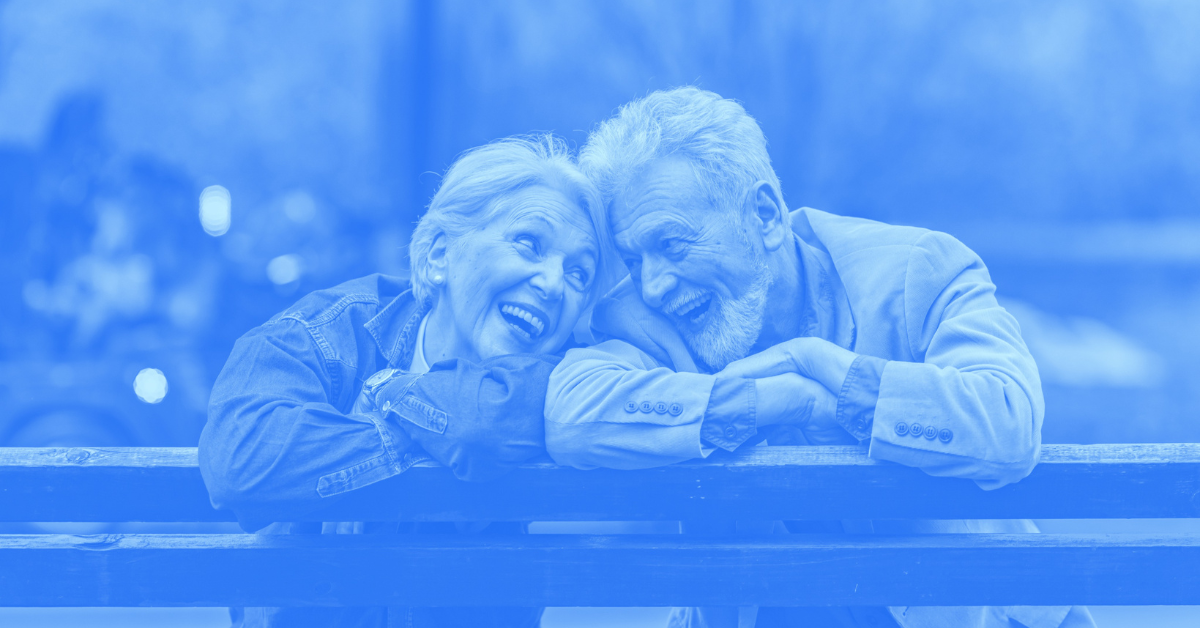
(323, 306)
(886, 245)
(842, 235)
(621, 315)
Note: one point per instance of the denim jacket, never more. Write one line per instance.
(283, 439)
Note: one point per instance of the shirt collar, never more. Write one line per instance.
(419, 364)
(826, 308)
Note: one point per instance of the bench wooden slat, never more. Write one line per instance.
(1072, 481)
(566, 570)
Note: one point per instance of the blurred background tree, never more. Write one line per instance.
(1060, 139)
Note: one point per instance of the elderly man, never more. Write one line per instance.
(739, 316)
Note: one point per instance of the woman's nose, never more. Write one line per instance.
(549, 280)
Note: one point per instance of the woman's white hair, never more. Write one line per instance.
(723, 143)
(470, 194)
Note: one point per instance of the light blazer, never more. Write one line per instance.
(917, 298)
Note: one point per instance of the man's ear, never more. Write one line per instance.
(766, 208)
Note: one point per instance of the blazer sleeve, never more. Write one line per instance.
(970, 404)
(612, 405)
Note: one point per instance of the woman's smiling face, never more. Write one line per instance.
(519, 283)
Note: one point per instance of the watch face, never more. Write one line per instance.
(379, 377)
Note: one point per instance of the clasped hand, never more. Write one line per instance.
(798, 382)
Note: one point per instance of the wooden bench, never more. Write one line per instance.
(790, 483)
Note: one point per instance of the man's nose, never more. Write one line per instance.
(657, 283)
(549, 281)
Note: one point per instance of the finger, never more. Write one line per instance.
(788, 398)
(820, 360)
(764, 364)
(823, 413)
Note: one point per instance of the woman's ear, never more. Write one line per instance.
(436, 260)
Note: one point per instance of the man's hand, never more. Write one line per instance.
(798, 383)
(813, 358)
(793, 399)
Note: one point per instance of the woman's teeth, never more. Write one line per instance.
(523, 320)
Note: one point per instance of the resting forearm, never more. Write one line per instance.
(986, 424)
(291, 459)
(602, 411)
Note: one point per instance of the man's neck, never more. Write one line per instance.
(783, 317)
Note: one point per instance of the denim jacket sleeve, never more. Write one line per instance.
(276, 445)
(479, 419)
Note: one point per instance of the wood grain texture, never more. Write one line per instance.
(439, 570)
(1072, 481)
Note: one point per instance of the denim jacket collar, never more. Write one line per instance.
(394, 328)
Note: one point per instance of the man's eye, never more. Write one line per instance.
(671, 245)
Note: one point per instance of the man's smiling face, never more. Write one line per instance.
(697, 264)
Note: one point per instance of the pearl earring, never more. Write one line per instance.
(438, 279)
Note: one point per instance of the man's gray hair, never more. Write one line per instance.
(723, 143)
(474, 188)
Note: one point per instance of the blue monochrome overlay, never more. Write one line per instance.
(650, 269)
(737, 316)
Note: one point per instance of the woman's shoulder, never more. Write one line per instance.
(374, 291)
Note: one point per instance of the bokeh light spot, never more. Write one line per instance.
(284, 269)
(150, 385)
(216, 210)
(299, 206)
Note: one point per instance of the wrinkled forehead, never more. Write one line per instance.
(549, 207)
(666, 190)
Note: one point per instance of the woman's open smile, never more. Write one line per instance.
(527, 321)
(518, 284)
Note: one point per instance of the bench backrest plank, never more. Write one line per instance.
(568, 570)
(795, 483)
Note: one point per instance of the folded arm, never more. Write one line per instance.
(481, 420)
(968, 404)
(612, 405)
(276, 446)
(974, 392)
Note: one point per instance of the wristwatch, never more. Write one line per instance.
(375, 382)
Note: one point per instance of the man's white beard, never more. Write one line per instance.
(734, 325)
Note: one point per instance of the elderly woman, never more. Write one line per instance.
(354, 384)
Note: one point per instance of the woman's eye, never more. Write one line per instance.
(580, 278)
(528, 242)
